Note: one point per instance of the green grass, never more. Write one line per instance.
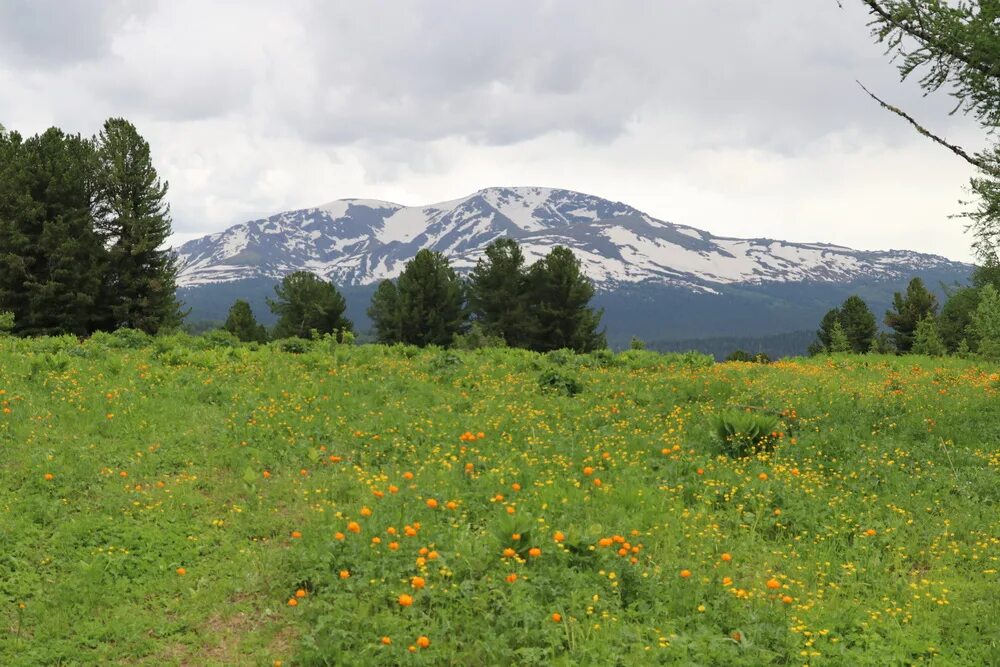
(875, 515)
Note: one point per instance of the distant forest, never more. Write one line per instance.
(776, 346)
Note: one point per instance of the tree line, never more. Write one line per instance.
(82, 225)
(544, 306)
(968, 322)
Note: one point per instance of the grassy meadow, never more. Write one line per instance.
(186, 501)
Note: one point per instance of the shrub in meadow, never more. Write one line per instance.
(744, 432)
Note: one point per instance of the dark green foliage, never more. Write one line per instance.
(857, 323)
(477, 339)
(133, 219)
(882, 344)
(386, 313)
(744, 433)
(927, 340)
(637, 343)
(81, 226)
(986, 323)
(956, 316)
(306, 304)
(242, 323)
(424, 306)
(558, 380)
(744, 356)
(294, 345)
(558, 295)
(956, 46)
(839, 342)
(825, 332)
(497, 294)
(51, 259)
(907, 311)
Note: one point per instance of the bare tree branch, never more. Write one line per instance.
(957, 150)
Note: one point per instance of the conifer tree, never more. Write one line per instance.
(839, 343)
(927, 340)
(825, 331)
(133, 218)
(424, 306)
(241, 323)
(859, 323)
(558, 297)
(986, 323)
(907, 311)
(497, 292)
(50, 257)
(307, 303)
(386, 314)
(956, 316)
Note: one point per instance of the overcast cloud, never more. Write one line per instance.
(741, 118)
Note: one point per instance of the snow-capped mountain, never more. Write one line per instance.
(362, 241)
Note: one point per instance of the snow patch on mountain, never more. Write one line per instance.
(362, 241)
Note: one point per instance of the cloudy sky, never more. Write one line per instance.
(741, 118)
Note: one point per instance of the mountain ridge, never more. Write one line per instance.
(362, 241)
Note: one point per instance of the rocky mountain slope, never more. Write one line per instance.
(359, 242)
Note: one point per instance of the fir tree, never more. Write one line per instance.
(856, 321)
(134, 221)
(986, 323)
(859, 323)
(839, 343)
(956, 316)
(305, 303)
(927, 340)
(497, 292)
(51, 259)
(825, 331)
(425, 305)
(559, 297)
(907, 312)
(386, 314)
(242, 323)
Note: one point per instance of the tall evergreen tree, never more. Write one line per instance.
(824, 334)
(424, 306)
(558, 296)
(956, 316)
(133, 218)
(497, 292)
(241, 323)
(386, 314)
(927, 340)
(986, 323)
(307, 303)
(859, 323)
(50, 257)
(907, 311)
(839, 343)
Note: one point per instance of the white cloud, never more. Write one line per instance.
(740, 118)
